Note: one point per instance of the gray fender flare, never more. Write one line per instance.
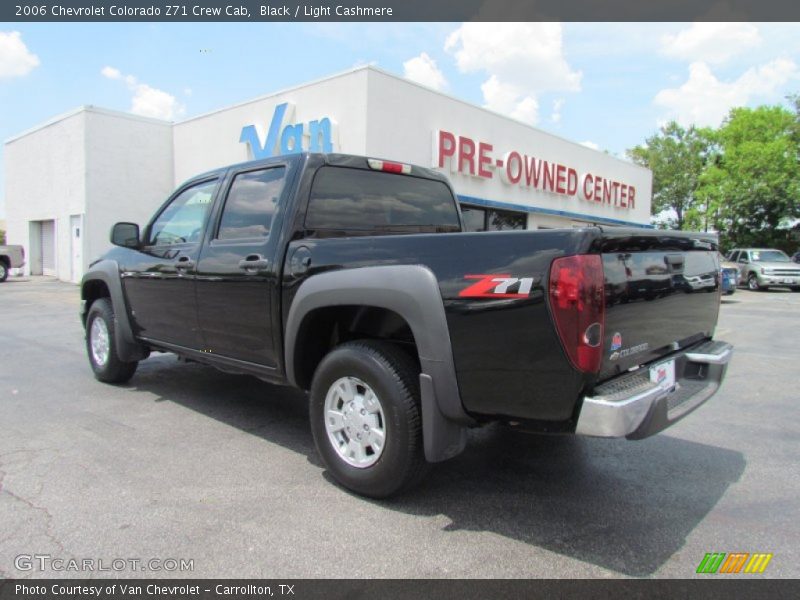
(412, 292)
(107, 271)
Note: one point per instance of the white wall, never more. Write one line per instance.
(212, 141)
(403, 117)
(128, 173)
(104, 165)
(45, 179)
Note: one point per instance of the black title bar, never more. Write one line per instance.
(398, 10)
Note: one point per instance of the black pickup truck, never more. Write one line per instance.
(351, 278)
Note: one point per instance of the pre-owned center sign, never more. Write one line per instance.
(478, 159)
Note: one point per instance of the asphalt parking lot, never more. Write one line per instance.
(189, 463)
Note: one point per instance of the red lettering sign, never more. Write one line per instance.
(466, 155)
(447, 146)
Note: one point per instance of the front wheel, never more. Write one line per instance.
(3, 271)
(365, 418)
(752, 283)
(101, 346)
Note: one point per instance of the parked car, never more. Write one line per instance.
(352, 278)
(760, 268)
(729, 273)
(11, 257)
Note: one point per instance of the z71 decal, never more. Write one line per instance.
(497, 286)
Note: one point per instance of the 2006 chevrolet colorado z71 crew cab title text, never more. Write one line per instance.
(352, 278)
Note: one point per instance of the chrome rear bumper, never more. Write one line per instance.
(634, 407)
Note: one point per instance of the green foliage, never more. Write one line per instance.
(753, 187)
(741, 179)
(2, 237)
(676, 156)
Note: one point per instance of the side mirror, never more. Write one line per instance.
(125, 235)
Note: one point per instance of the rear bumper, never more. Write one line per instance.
(634, 407)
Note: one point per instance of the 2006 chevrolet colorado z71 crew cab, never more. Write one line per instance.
(351, 278)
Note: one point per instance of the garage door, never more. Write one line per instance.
(49, 247)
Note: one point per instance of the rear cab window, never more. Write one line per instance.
(356, 200)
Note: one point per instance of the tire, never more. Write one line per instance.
(752, 283)
(344, 379)
(101, 347)
(796, 289)
(3, 271)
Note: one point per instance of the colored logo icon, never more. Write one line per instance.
(734, 562)
(616, 341)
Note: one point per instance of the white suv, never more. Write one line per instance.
(761, 268)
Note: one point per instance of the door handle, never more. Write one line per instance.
(184, 262)
(254, 262)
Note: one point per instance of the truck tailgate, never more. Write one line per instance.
(662, 293)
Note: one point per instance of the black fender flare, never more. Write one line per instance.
(412, 292)
(107, 271)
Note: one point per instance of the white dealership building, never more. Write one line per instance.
(70, 178)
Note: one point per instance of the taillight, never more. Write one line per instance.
(578, 303)
(389, 167)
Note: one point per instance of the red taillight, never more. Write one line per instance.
(389, 167)
(578, 304)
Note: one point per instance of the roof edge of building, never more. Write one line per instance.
(279, 92)
(352, 70)
(498, 114)
(86, 108)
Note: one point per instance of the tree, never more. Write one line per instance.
(751, 187)
(795, 100)
(677, 157)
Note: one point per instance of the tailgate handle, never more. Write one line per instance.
(675, 261)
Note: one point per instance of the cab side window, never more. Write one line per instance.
(251, 204)
(183, 219)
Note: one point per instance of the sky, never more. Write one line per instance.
(607, 85)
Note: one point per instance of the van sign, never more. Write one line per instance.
(292, 138)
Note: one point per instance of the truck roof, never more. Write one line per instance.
(353, 161)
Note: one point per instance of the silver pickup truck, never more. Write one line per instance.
(11, 257)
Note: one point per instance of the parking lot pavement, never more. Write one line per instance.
(189, 463)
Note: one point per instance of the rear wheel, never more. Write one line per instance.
(365, 418)
(3, 271)
(101, 345)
